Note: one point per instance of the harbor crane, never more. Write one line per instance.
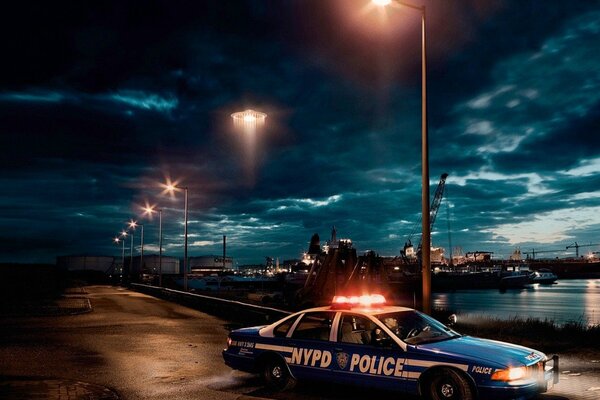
(533, 252)
(433, 210)
(577, 246)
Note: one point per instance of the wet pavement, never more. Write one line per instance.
(29, 388)
(133, 346)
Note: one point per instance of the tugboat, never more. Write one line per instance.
(543, 276)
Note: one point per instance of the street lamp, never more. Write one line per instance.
(149, 210)
(131, 248)
(426, 229)
(172, 188)
(133, 224)
(121, 239)
(117, 241)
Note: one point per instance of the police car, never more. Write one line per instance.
(360, 340)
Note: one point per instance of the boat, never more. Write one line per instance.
(514, 276)
(514, 280)
(543, 276)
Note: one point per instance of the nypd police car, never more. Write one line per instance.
(360, 340)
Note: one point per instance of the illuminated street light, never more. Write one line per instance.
(171, 188)
(149, 210)
(133, 225)
(123, 235)
(117, 240)
(426, 240)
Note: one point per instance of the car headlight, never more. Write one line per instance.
(511, 374)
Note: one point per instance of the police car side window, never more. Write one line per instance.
(283, 328)
(314, 326)
(355, 329)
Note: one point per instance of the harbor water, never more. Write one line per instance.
(567, 300)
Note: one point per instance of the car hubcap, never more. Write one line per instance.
(276, 372)
(447, 390)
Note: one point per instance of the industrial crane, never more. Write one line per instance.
(433, 210)
(533, 252)
(577, 246)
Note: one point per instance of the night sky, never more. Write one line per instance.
(100, 102)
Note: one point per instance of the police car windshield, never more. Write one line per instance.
(414, 327)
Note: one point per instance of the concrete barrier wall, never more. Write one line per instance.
(235, 311)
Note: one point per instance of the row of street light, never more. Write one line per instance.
(149, 210)
(248, 121)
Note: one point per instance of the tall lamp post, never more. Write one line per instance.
(132, 230)
(121, 238)
(118, 240)
(171, 188)
(149, 210)
(133, 224)
(426, 229)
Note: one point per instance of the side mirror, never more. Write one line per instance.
(452, 319)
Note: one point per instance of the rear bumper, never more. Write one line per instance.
(242, 363)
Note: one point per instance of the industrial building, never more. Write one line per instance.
(210, 264)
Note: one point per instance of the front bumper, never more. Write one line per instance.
(544, 376)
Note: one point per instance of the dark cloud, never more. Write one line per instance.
(100, 102)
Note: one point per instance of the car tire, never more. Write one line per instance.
(277, 375)
(448, 384)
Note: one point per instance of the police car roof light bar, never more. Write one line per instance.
(366, 300)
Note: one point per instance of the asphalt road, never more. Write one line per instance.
(146, 348)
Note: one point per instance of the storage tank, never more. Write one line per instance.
(170, 265)
(104, 264)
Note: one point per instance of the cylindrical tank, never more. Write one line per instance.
(170, 265)
(103, 264)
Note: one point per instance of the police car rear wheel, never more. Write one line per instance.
(276, 375)
(448, 384)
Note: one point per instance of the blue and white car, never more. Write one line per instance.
(360, 340)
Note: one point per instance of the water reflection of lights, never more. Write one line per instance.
(569, 300)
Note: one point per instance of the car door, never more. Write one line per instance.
(364, 354)
(312, 349)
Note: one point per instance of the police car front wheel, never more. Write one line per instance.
(448, 384)
(277, 375)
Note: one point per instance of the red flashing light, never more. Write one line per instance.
(366, 300)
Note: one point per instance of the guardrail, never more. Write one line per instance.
(237, 311)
